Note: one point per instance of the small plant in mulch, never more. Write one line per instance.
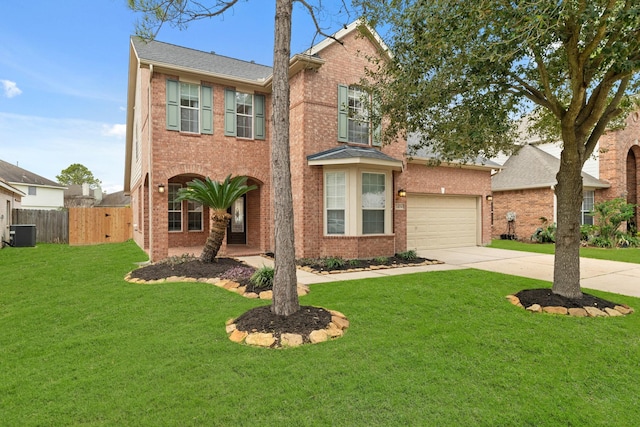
(261, 280)
(340, 264)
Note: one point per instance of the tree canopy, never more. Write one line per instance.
(463, 73)
(77, 174)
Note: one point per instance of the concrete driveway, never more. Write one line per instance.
(617, 277)
(611, 276)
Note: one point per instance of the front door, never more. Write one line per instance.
(237, 231)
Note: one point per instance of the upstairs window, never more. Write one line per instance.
(354, 122)
(189, 107)
(32, 190)
(244, 115)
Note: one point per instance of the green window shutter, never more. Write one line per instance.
(229, 112)
(173, 105)
(259, 124)
(343, 113)
(206, 101)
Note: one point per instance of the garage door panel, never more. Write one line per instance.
(441, 222)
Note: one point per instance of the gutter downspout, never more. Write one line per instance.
(150, 228)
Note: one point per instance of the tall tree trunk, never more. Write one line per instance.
(566, 273)
(285, 293)
(219, 224)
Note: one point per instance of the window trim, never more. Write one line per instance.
(383, 209)
(258, 126)
(584, 212)
(174, 107)
(344, 119)
(199, 206)
(353, 205)
(170, 200)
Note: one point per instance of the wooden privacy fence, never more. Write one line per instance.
(89, 226)
(52, 226)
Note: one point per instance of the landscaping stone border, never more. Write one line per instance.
(336, 329)
(229, 285)
(370, 268)
(618, 310)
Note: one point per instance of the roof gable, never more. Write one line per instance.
(531, 167)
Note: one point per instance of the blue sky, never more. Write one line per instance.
(63, 74)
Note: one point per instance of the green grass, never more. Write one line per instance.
(617, 254)
(80, 346)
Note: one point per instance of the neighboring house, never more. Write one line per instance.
(114, 200)
(82, 195)
(526, 183)
(9, 198)
(194, 114)
(40, 192)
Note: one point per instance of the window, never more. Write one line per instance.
(357, 202)
(587, 207)
(244, 115)
(354, 122)
(32, 190)
(335, 195)
(189, 107)
(194, 214)
(373, 203)
(175, 208)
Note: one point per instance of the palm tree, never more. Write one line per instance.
(218, 196)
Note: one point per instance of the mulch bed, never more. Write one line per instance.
(192, 268)
(545, 298)
(320, 264)
(303, 322)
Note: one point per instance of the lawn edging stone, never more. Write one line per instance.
(229, 285)
(587, 311)
(336, 329)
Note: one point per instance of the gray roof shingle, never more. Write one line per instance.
(15, 174)
(532, 167)
(349, 152)
(169, 54)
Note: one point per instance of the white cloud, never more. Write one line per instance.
(11, 89)
(119, 131)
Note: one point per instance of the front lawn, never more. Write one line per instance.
(615, 254)
(80, 346)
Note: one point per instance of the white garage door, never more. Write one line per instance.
(436, 222)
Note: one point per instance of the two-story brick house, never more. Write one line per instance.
(194, 114)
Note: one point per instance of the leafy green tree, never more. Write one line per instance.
(77, 174)
(464, 72)
(219, 196)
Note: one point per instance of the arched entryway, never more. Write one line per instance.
(633, 180)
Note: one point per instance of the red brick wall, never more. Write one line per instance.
(529, 206)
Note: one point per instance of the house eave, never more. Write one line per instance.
(387, 164)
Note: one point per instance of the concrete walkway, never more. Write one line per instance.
(610, 276)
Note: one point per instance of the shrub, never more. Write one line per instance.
(333, 263)
(354, 262)
(610, 214)
(263, 277)
(545, 234)
(409, 255)
(381, 259)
